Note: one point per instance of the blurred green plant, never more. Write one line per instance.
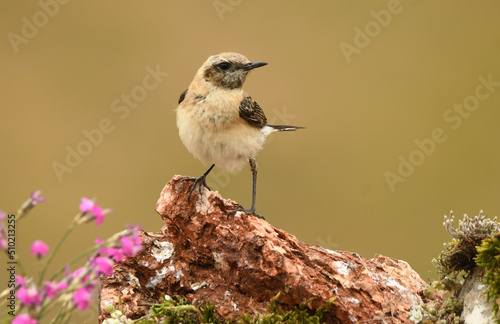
(176, 310)
(488, 257)
(475, 242)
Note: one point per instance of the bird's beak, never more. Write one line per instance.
(253, 65)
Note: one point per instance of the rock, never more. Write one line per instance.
(240, 263)
(473, 297)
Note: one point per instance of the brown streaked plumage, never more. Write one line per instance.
(252, 113)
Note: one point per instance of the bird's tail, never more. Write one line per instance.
(284, 128)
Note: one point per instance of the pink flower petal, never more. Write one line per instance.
(39, 248)
(99, 215)
(52, 288)
(29, 296)
(82, 298)
(20, 281)
(24, 319)
(86, 205)
(115, 253)
(35, 197)
(104, 265)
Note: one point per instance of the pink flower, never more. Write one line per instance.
(82, 298)
(77, 272)
(35, 197)
(30, 203)
(29, 296)
(104, 265)
(2, 215)
(39, 248)
(52, 288)
(86, 205)
(131, 246)
(24, 319)
(114, 253)
(98, 241)
(97, 212)
(20, 281)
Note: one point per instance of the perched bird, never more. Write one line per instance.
(219, 123)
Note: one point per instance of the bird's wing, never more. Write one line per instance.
(252, 113)
(183, 95)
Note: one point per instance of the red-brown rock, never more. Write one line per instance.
(240, 263)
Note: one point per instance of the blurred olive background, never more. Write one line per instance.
(365, 84)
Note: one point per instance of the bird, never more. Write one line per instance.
(220, 123)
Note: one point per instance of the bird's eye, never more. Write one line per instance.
(224, 66)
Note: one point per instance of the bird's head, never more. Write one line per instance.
(228, 70)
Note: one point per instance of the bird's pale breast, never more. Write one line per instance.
(221, 136)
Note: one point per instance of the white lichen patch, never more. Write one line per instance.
(342, 267)
(391, 282)
(220, 262)
(158, 278)
(203, 207)
(281, 250)
(162, 251)
(133, 281)
(374, 276)
(178, 273)
(199, 285)
(403, 291)
(352, 300)
(218, 257)
(144, 263)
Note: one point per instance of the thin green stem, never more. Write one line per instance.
(75, 259)
(21, 268)
(59, 318)
(21, 213)
(56, 249)
(90, 250)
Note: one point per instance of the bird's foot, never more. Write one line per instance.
(250, 211)
(197, 182)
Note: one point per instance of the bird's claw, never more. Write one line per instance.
(250, 211)
(197, 182)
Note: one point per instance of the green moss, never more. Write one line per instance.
(441, 306)
(178, 311)
(488, 257)
(299, 315)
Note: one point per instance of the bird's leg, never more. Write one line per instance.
(199, 182)
(253, 168)
(251, 211)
